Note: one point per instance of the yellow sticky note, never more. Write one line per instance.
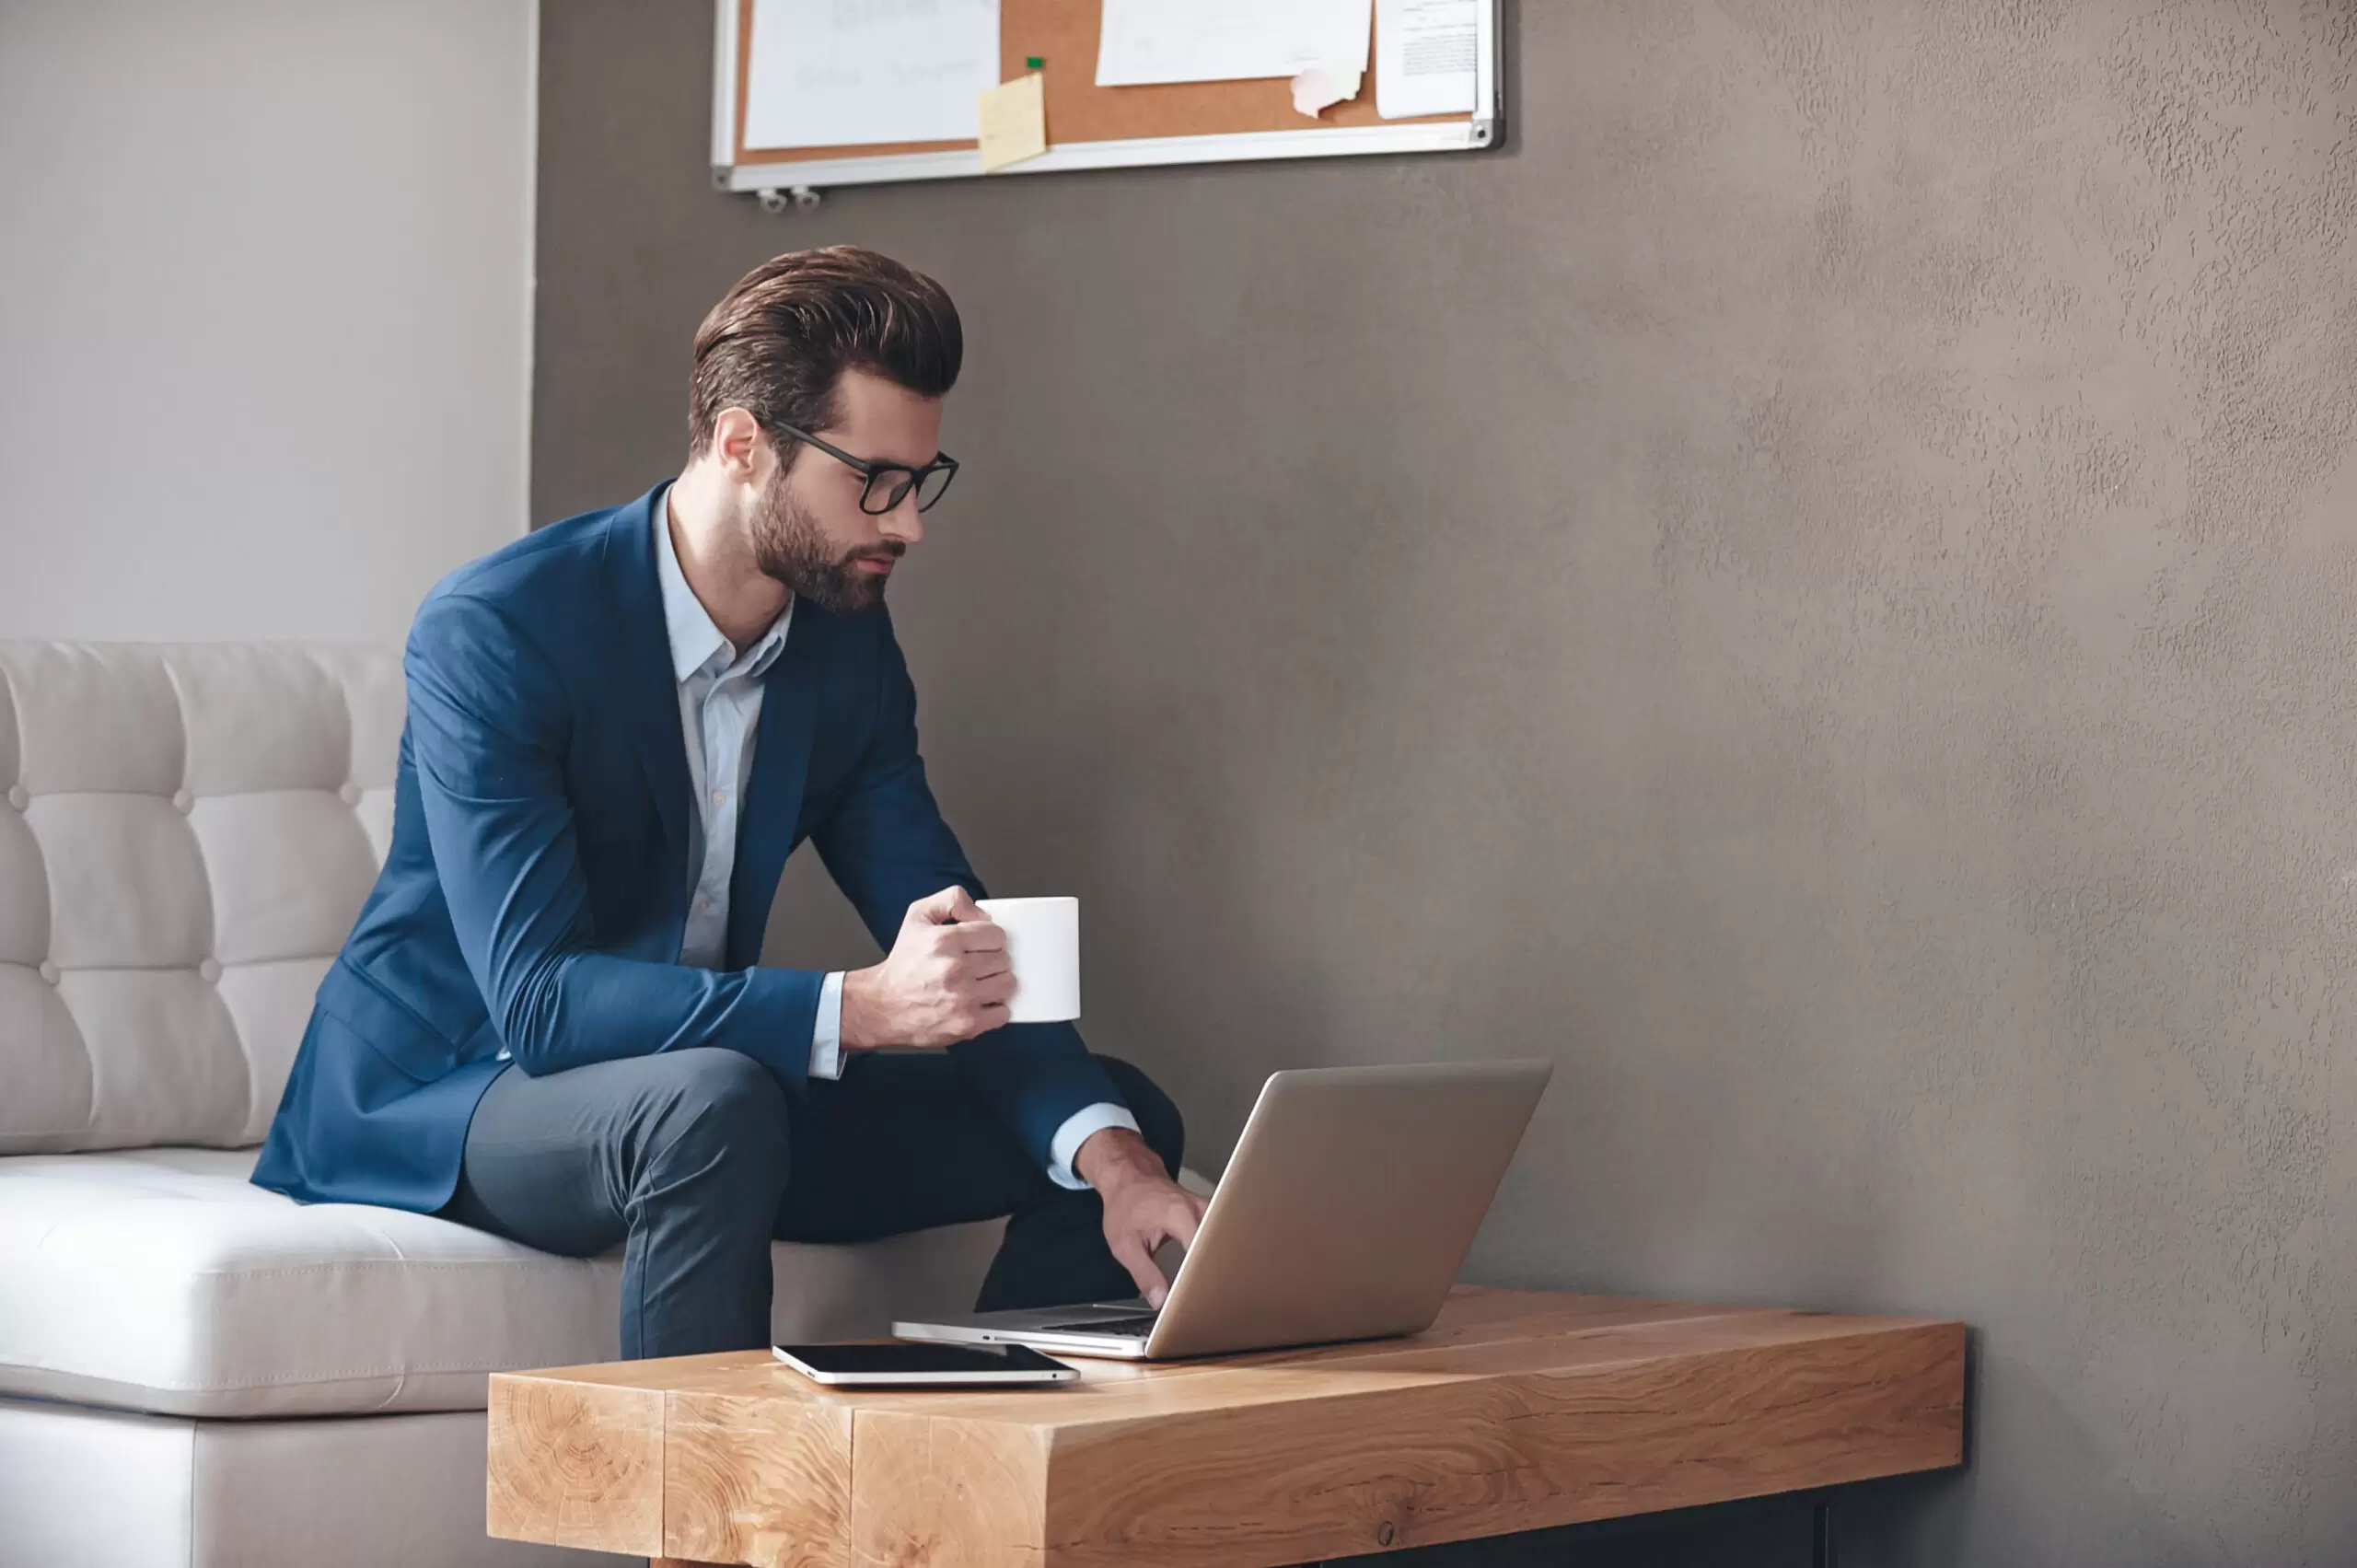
(1014, 122)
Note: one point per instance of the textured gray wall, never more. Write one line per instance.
(1815, 588)
(264, 311)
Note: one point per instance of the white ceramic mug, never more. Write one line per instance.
(1043, 950)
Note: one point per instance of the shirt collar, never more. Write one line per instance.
(695, 641)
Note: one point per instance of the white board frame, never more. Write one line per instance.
(1483, 129)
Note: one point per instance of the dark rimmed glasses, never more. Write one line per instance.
(888, 484)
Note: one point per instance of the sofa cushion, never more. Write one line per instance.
(186, 834)
(161, 1280)
(81, 1487)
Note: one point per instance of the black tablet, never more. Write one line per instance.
(883, 1365)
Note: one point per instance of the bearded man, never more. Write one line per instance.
(550, 1020)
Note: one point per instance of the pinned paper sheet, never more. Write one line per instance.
(1226, 41)
(1425, 51)
(1322, 86)
(829, 74)
(1014, 122)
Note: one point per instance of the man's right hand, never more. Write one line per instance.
(946, 979)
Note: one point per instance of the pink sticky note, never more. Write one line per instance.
(1322, 86)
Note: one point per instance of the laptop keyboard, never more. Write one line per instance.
(1140, 1324)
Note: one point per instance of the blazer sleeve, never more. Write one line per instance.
(886, 844)
(489, 717)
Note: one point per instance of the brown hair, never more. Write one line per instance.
(778, 342)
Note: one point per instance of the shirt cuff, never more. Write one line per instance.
(827, 1037)
(1077, 1129)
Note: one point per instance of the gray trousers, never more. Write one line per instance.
(694, 1161)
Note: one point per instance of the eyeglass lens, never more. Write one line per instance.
(887, 487)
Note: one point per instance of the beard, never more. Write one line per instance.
(791, 548)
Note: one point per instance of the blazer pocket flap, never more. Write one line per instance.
(398, 1034)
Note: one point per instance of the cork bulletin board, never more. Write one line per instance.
(1089, 126)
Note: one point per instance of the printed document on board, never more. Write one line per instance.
(1226, 41)
(851, 72)
(1424, 56)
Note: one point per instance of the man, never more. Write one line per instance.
(549, 1021)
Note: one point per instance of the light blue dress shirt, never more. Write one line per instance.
(720, 718)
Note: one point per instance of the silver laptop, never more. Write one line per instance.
(1344, 1215)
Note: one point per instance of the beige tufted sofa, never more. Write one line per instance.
(194, 1371)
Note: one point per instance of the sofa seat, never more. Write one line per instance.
(161, 1280)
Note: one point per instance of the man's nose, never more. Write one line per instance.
(904, 522)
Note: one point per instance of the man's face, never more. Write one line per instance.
(808, 530)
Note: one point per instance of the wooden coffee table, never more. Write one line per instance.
(1516, 1411)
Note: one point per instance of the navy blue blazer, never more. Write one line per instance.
(537, 886)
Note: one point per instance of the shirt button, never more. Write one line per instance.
(704, 906)
(719, 796)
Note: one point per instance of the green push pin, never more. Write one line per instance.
(1032, 62)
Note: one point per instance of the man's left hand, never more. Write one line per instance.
(1143, 1208)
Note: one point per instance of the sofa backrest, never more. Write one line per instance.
(186, 833)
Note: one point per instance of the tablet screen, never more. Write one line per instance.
(920, 1360)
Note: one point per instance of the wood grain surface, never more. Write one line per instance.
(756, 1480)
(1517, 1410)
(592, 1464)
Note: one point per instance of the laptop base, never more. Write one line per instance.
(1066, 1330)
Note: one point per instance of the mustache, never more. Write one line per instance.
(892, 550)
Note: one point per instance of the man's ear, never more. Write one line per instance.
(737, 446)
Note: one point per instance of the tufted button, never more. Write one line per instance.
(348, 792)
(49, 972)
(17, 797)
(182, 801)
(210, 969)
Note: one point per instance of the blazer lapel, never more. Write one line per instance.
(637, 652)
(765, 834)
